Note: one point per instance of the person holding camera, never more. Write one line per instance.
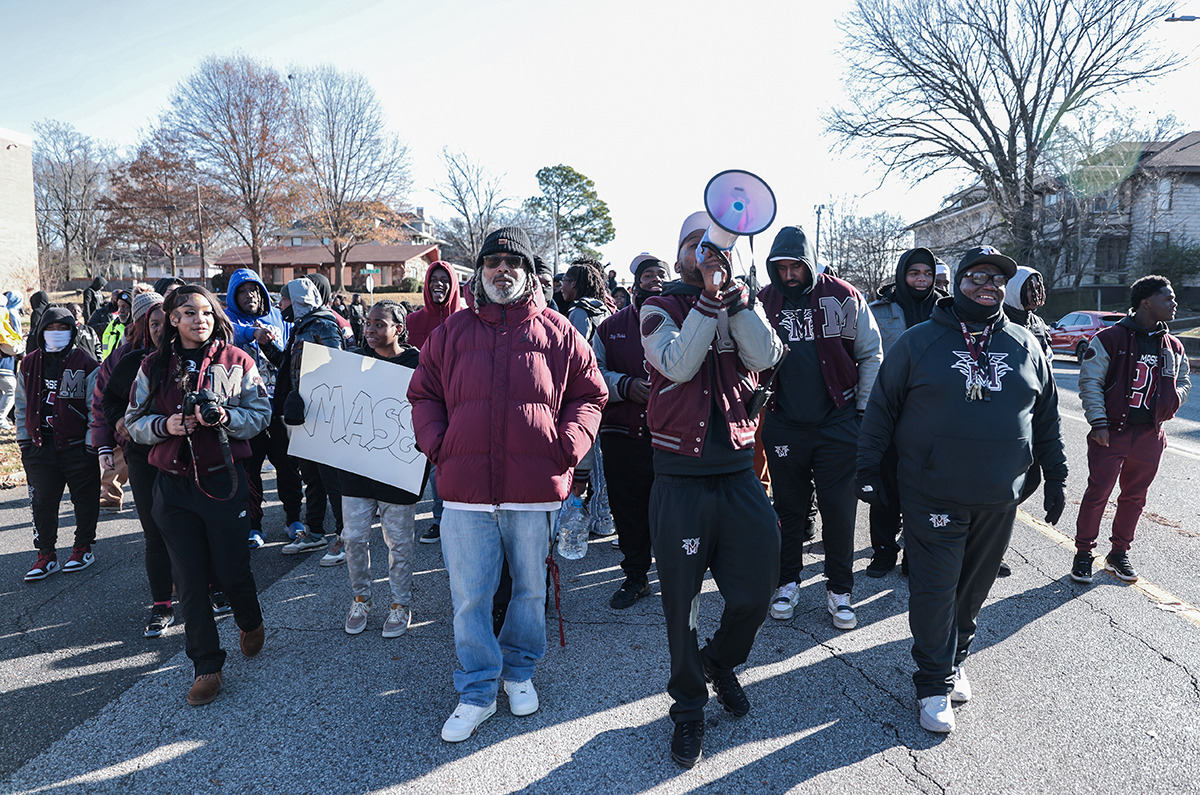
(197, 401)
(704, 345)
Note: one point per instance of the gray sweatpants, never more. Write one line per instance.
(396, 521)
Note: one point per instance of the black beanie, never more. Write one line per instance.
(507, 240)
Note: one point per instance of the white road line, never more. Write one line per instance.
(1172, 445)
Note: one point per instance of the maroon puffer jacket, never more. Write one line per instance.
(506, 400)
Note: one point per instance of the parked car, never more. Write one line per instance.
(1070, 335)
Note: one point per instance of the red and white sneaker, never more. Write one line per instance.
(81, 558)
(47, 564)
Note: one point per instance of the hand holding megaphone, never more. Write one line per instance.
(739, 203)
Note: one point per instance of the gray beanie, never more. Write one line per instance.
(143, 303)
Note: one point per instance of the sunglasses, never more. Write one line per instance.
(511, 261)
(981, 278)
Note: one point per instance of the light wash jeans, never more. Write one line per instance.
(8, 393)
(396, 521)
(474, 546)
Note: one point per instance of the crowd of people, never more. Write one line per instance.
(709, 422)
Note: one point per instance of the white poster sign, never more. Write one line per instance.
(357, 417)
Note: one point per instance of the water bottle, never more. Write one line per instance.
(602, 521)
(572, 529)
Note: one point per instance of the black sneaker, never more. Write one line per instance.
(161, 617)
(432, 535)
(220, 604)
(630, 591)
(1118, 563)
(1081, 569)
(729, 692)
(1005, 570)
(881, 563)
(687, 743)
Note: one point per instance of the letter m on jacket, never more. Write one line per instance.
(840, 317)
(73, 385)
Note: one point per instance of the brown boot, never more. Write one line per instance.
(204, 689)
(252, 641)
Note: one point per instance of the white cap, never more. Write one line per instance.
(697, 220)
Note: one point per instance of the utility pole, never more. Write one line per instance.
(200, 228)
(817, 251)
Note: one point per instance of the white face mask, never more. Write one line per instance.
(56, 340)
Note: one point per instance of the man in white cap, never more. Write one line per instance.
(705, 344)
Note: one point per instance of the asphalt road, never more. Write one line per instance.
(1076, 688)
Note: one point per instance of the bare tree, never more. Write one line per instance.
(231, 118)
(982, 85)
(69, 176)
(154, 199)
(354, 169)
(478, 199)
(864, 250)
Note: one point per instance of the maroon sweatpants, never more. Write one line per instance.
(1132, 455)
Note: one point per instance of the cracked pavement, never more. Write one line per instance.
(1077, 688)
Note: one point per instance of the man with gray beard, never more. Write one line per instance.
(506, 400)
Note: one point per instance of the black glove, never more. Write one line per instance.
(870, 490)
(736, 298)
(1054, 499)
(293, 409)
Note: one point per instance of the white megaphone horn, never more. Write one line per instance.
(739, 203)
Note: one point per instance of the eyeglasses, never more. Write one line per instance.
(511, 261)
(982, 277)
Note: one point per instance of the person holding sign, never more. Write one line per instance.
(363, 497)
(505, 401)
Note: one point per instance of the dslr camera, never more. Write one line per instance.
(209, 403)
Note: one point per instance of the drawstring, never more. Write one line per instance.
(553, 564)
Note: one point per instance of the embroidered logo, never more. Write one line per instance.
(781, 450)
(939, 519)
(691, 546)
(997, 369)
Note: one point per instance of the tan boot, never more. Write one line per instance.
(204, 689)
(252, 641)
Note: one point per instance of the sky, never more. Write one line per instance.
(649, 99)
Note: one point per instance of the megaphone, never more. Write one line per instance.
(739, 203)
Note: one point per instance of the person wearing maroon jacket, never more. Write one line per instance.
(624, 436)
(505, 401)
(442, 299)
(1133, 378)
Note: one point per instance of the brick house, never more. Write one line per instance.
(281, 264)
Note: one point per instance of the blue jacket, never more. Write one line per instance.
(244, 324)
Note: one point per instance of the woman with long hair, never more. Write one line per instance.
(196, 402)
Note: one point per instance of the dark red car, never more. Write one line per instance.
(1070, 335)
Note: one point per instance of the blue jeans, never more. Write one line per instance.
(437, 501)
(474, 546)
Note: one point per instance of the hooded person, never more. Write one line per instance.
(904, 303)
(624, 435)
(442, 299)
(13, 349)
(505, 401)
(325, 289)
(260, 330)
(1024, 294)
(587, 297)
(313, 322)
(964, 388)
(92, 296)
(54, 392)
(810, 429)
(37, 306)
(909, 299)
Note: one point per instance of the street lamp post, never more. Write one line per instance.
(817, 249)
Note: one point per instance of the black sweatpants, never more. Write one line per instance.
(48, 472)
(722, 523)
(206, 535)
(824, 457)
(629, 469)
(885, 519)
(142, 475)
(953, 557)
(272, 444)
(320, 482)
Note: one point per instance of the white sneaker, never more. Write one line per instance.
(962, 687)
(356, 621)
(840, 609)
(522, 698)
(397, 621)
(465, 719)
(783, 603)
(305, 542)
(936, 714)
(336, 554)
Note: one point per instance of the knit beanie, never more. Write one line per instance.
(143, 303)
(507, 240)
